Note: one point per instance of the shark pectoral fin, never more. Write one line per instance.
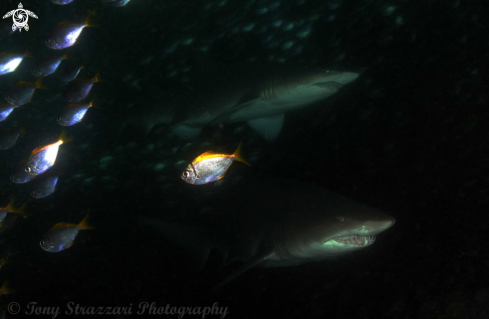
(252, 262)
(268, 127)
(189, 238)
(186, 132)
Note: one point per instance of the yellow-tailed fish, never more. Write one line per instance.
(22, 92)
(10, 208)
(62, 235)
(210, 167)
(8, 137)
(43, 157)
(66, 33)
(10, 61)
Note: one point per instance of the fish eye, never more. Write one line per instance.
(47, 41)
(42, 243)
(59, 119)
(340, 218)
(28, 169)
(33, 192)
(186, 174)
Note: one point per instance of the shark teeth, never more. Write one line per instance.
(357, 240)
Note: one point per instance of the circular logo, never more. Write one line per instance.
(20, 18)
(13, 308)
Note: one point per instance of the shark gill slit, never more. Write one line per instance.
(278, 243)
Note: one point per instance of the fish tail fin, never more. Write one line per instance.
(4, 261)
(64, 137)
(38, 83)
(92, 103)
(27, 53)
(19, 210)
(10, 207)
(89, 20)
(84, 223)
(6, 289)
(238, 154)
(97, 78)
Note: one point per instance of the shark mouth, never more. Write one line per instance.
(353, 240)
(330, 86)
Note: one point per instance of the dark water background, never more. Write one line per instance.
(410, 137)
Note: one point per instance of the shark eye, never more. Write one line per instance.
(340, 218)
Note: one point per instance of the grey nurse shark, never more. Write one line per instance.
(274, 223)
(257, 95)
(262, 103)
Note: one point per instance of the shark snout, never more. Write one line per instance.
(378, 226)
(347, 77)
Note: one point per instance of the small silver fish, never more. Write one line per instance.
(47, 65)
(66, 33)
(8, 137)
(43, 157)
(19, 176)
(9, 61)
(210, 167)
(45, 187)
(21, 93)
(70, 73)
(62, 2)
(74, 113)
(5, 111)
(62, 235)
(10, 208)
(79, 89)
